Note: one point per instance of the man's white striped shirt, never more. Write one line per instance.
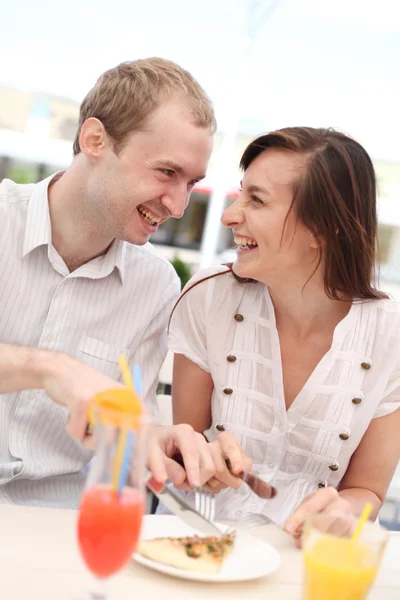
(116, 303)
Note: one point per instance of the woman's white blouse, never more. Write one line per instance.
(228, 329)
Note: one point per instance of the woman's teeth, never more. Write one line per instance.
(245, 243)
(148, 217)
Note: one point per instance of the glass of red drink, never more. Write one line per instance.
(113, 503)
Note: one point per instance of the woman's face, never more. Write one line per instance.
(268, 248)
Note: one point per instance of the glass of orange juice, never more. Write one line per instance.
(336, 568)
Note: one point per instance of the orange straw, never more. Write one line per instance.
(124, 433)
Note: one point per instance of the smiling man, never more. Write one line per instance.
(76, 272)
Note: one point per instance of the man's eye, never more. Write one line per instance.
(168, 172)
(256, 199)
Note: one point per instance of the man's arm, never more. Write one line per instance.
(73, 384)
(65, 380)
(22, 368)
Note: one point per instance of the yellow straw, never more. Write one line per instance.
(126, 374)
(364, 516)
(123, 363)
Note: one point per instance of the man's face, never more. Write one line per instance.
(151, 179)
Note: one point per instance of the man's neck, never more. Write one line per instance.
(75, 237)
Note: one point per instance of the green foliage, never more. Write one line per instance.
(182, 269)
(21, 175)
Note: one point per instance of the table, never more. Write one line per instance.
(39, 560)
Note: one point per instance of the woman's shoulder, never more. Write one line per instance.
(388, 307)
(221, 280)
(213, 288)
(387, 311)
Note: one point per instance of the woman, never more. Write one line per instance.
(292, 350)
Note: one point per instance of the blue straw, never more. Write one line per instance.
(137, 382)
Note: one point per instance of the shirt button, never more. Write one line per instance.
(231, 358)
(31, 395)
(238, 317)
(227, 391)
(344, 436)
(366, 365)
(334, 466)
(271, 465)
(49, 339)
(322, 484)
(220, 427)
(18, 468)
(357, 400)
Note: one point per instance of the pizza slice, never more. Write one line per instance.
(200, 554)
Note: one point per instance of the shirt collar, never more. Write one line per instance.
(38, 226)
(38, 233)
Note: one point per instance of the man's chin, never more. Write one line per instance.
(136, 240)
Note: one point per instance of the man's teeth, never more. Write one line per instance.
(245, 242)
(151, 219)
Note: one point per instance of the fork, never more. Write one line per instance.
(205, 505)
(253, 520)
(204, 502)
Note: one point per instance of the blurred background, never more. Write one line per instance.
(265, 63)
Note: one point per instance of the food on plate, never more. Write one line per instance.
(191, 553)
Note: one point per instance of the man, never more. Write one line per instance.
(78, 277)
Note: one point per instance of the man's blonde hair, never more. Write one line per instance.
(124, 96)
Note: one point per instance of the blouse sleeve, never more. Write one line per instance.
(391, 399)
(187, 331)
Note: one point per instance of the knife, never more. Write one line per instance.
(182, 508)
(261, 488)
(257, 485)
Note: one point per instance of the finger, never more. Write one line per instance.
(175, 472)
(232, 451)
(77, 421)
(298, 540)
(184, 486)
(207, 466)
(185, 441)
(156, 463)
(222, 472)
(89, 442)
(215, 485)
(312, 504)
(155, 486)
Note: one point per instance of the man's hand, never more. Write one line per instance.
(73, 384)
(195, 451)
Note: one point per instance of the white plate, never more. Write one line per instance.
(251, 558)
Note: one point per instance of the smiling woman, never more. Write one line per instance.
(292, 352)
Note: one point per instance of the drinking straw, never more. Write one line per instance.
(363, 518)
(123, 449)
(137, 378)
(127, 439)
(126, 374)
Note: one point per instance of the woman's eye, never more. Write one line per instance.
(256, 199)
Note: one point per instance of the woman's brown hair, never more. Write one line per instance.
(335, 198)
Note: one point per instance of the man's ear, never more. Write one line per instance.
(93, 138)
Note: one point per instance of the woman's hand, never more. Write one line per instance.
(226, 448)
(324, 500)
